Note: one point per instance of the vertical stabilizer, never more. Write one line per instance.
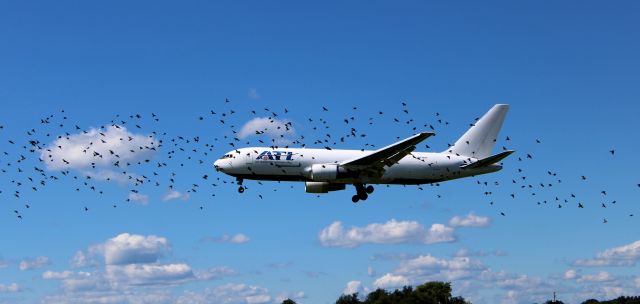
(478, 141)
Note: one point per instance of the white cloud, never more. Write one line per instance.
(153, 296)
(274, 128)
(518, 288)
(53, 275)
(391, 232)
(469, 276)
(295, 296)
(238, 238)
(510, 297)
(143, 199)
(570, 274)
(626, 255)
(120, 277)
(353, 287)
(601, 276)
(173, 195)
(100, 147)
(610, 289)
(131, 272)
(470, 220)
(519, 281)
(10, 288)
(626, 252)
(87, 258)
(428, 264)
(149, 274)
(34, 263)
(439, 233)
(214, 273)
(228, 294)
(131, 248)
(391, 281)
(72, 281)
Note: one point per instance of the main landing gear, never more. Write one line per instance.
(362, 192)
(240, 186)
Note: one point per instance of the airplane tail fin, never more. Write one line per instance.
(478, 141)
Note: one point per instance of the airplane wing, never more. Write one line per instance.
(389, 155)
(488, 161)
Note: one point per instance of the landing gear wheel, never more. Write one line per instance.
(355, 199)
(240, 189)
(369, 189)
(363, 196)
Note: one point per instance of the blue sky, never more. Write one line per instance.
(568, 69)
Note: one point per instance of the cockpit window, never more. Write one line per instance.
(227, 156)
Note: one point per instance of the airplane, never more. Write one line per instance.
(325, 170)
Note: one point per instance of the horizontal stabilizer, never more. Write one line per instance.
(488, 161)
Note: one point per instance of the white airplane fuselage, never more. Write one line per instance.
(295, 164)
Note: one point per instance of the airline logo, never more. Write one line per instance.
(275, 155)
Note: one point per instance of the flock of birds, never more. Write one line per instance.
(36, 161)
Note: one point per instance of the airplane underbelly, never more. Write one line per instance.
(414, 174)
(408, 172)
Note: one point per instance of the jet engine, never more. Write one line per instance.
(322, 187)
(328, 172)
(324, 172)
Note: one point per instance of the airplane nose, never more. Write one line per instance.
(221, 165)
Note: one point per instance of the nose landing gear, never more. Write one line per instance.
(240, 187)
(362, 192)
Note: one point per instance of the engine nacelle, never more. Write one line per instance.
(322, 187)
(324, 172)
